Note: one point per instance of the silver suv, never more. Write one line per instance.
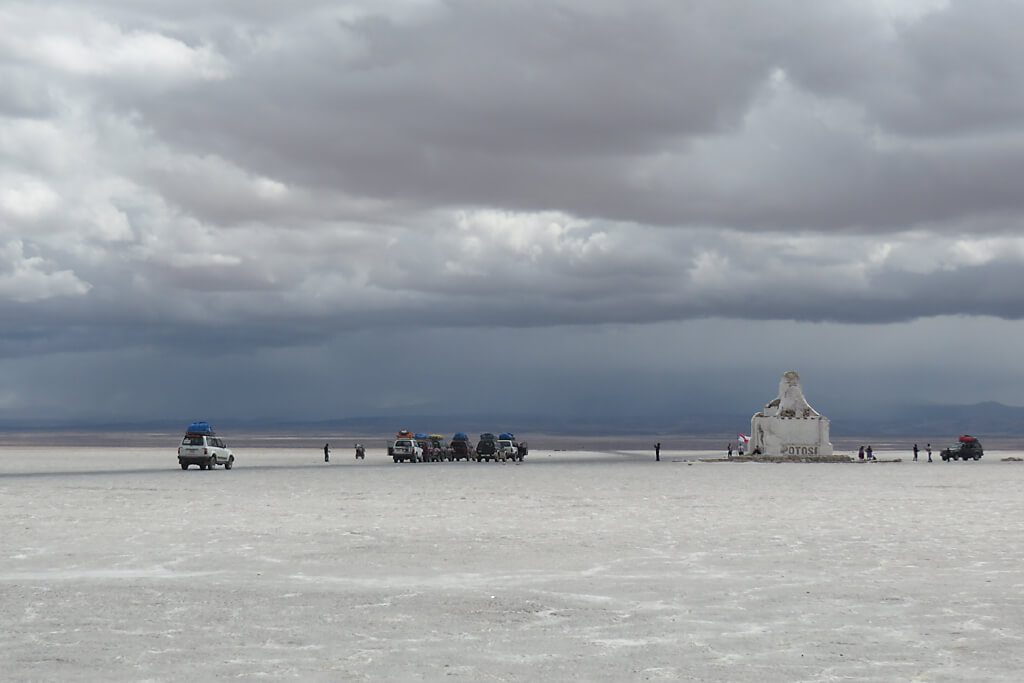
(205, 450)
(506, 450)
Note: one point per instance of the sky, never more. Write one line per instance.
(315, 210)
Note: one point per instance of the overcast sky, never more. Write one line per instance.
(315, 209)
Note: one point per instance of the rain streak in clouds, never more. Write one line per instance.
(279, 194)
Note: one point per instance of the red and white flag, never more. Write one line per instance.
(744, 438)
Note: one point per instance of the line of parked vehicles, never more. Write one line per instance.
(202, 447)
(419, 447)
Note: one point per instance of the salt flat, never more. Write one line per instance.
(116, 565)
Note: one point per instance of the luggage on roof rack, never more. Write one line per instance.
(203, 428)
(967, 438)
(509, 436)
(460, 436)
(420, 436)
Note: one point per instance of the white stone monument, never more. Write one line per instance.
(789, 425)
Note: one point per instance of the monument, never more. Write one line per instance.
(788, 425)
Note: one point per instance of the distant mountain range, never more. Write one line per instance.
(983, 419)
(989, 418)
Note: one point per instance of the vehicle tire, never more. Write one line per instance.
(184, 465)
(395, 459)
(213, 462)
(977, 457)
(230, 463)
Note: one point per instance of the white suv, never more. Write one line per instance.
(506, 450)
(406, 449)
(204, 450)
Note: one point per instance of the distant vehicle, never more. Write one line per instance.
(400, 434)
(440, 446)
(406, 449)
(460, 448)
(429, 452)
(967, 448)
(201, 446)
(506, 450)
(486, 447)
(520, 446)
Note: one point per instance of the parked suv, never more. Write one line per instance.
(406, 449)
(461, 448)
(506, 450)
(440, 445)
(486, 448)
(201, 446)
(968, 448)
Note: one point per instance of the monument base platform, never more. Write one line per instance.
(835, 457)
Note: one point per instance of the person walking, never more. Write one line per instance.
(915, 452)
(928, 450)
(730, 449)
(327, 452)
(657, 452)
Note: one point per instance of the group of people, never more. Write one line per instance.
(360, 452)
(927, 448)
(869, 454)
(864, 453)
(739, 449)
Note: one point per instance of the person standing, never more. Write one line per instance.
(915, 452)
(327, 452)
(870, 452)
(860, 453)
(730, 449)
(657, 452)
(928, 450)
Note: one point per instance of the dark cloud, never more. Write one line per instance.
(261, 183)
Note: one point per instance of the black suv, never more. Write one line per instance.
(461, 448)
(968, 448)
(486, 448)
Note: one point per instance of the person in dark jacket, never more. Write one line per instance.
(657, 451)
(915, 452)
(327, 452)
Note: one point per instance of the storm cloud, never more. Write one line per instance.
(223, 181)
